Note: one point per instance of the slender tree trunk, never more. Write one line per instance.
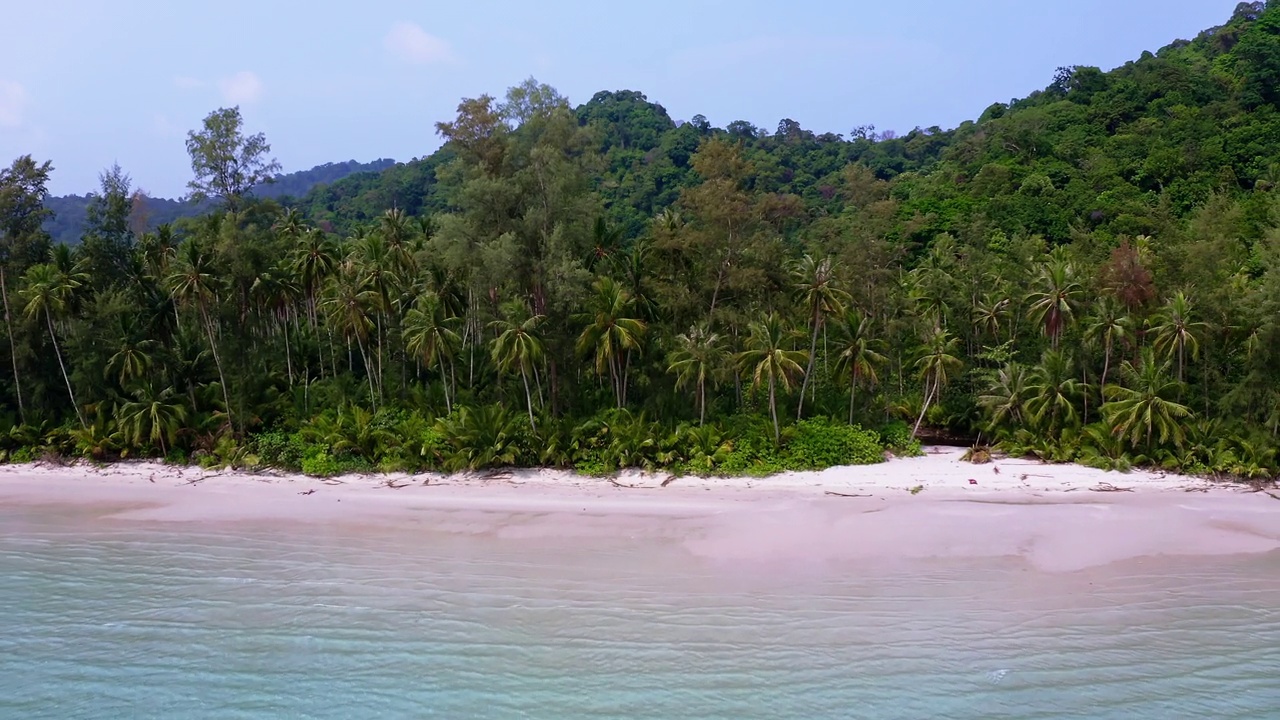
(773, 412)
(444, 382)
(367, 374)
(924, 408)
(13, 346)
(217, 361)
(853, 388)
(528, 397)
(813, 349)
(1106, 365)
(53, 336)
(702, 401)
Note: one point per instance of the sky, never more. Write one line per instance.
(89, 83)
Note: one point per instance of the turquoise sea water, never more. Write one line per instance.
(103, 618)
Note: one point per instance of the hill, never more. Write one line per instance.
(67, 224)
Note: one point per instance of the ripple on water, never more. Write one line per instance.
(305, 621)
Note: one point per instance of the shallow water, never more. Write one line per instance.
(102, 618)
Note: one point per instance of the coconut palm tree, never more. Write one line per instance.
(1108, 324)
(697, 357)
(768, 360)
(1147, 408)
(1008, 398)
(935, 365)
(814, 282)
(1054, 390)
(611, 334)
(1176, 332)
(519, 346)
(348, 304)
(48, 292)
(152, 417)
(192, 281)
(1057, 293)
(858, 352)
(429, 333)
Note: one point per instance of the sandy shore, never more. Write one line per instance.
(1059, 517)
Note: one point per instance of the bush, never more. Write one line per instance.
(896, 437)
(822, 443)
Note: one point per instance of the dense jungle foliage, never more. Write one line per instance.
(1089, 274)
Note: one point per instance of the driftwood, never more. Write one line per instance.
(628, 487)
(1108, 487)
(392, 484)
(312, 491)
(836, 494)
(668, 481)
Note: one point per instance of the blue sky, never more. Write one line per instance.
(101, 82)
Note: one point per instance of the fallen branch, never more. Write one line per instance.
(836, 494)
(1108, 487)
(629, 487)
(392, 484)
(668, 481)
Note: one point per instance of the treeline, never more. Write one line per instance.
(1090, 274)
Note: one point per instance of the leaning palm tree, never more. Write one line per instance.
(1054, 300)
(935, 364)
(193, 281)
(48, 292)
(429, 333)
(770, 362)
(611, 334)
(697, 357)
(1147, 408)
(858, 352)
(519, 346)
(815, 285)
(1176, 333)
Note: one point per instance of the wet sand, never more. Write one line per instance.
(1056, 517)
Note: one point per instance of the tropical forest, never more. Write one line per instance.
(1089, 274)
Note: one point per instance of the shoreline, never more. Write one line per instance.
(1054, 517)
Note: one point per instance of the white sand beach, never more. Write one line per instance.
(1059, 517)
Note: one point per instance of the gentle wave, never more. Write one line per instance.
(118, 619)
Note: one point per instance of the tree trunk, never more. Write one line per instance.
(924, 408)
(853, 388)
(56, 351)
(773, 412)
(217, 361)
(702, 401)
(528, 398)
(813, 349)
(13, 347)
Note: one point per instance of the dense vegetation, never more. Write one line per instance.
(1090, 274)
(68, 217)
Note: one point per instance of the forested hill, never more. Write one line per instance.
(67, 225)
(1128, 151)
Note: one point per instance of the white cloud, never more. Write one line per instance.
(13, 102)
(242, 88)
(186, 82)
(410, 43)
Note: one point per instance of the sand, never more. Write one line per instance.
(1057, 517)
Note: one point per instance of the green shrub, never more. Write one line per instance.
(897, 438)
(822, 443)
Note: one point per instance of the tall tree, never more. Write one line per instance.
(48, 292)
(23, 242)
(228, 164)
(769, 361)
(814, 282)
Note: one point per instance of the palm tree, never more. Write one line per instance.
(858, 353)
(1175, 332)
(698, 356)
(935, 365)
(519, 345)
(429, 333)
(314, 260)
(152, 417)
(1055, 299)
(770, 362)
(1008, 398)
(1108, 324)
(611, 334)
(815, 284)
(1147, 409)
(47, 292)
(1053, 388)
(131, 361)
(193, 282)
(347, 306)
(989, 314)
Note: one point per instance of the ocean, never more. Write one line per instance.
(103, 618)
